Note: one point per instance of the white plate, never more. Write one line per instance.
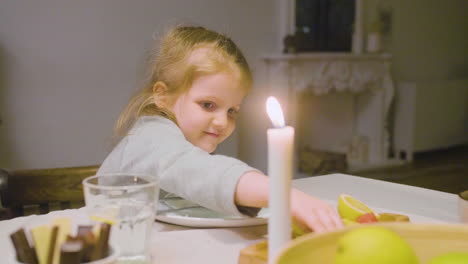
(195, 216)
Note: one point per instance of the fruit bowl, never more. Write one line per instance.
(427, 240)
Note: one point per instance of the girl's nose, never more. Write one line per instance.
(220, 121)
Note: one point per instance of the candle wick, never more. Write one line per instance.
(277, 124)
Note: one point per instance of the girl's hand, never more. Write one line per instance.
(308, 212)
(313, 214)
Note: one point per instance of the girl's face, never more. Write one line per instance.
(207, 111)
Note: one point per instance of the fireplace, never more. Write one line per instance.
(338, 102)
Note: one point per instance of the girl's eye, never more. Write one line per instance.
(207, 105)
(233, 113)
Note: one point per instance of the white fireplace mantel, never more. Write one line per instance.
(365, 77)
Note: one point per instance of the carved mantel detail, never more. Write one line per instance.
(338, 76)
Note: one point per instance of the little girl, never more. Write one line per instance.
(190, 104)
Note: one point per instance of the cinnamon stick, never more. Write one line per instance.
(25, 253)
(52, 244)
(102, 245)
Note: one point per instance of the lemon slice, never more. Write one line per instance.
(105, 215)
(102, 219)
(351, 208)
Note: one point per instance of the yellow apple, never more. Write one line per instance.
(373, 244)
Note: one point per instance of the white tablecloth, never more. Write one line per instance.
(175, 244)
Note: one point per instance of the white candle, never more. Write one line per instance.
(280, 169)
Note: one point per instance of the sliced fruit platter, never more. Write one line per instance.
(352, 211)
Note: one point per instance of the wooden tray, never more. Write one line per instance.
(427, 240)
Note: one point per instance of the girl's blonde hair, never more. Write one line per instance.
(184, 54)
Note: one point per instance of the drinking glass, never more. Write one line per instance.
(128, 203)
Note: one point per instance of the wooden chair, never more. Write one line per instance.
(39, 191)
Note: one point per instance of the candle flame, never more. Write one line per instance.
(274, 111)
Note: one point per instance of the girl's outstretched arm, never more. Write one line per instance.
(307, 211)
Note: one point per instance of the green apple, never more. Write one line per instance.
(451, 258)
(373, 244)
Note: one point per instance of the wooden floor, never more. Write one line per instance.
(443, 170)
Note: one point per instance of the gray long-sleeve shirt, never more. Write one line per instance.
(156, 146)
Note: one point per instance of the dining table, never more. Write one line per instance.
(182, 244)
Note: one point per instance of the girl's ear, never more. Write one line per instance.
(160, 94)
